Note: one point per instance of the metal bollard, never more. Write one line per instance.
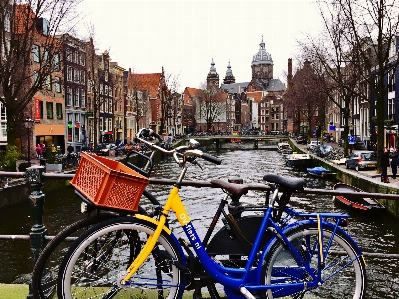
(36, 199)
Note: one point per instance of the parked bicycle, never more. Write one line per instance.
(232, 239)
(46, 267)
(125, 257)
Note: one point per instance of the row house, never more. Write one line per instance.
(362, 122)
(119, 100)
(145, 102)
(105, 101)
(74, 79)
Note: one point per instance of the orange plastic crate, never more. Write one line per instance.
(108, 183)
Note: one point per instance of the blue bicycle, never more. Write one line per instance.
(139, 257)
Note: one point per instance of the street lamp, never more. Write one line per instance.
(28, 124)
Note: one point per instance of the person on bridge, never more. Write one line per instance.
(384, 165)
(393, 156)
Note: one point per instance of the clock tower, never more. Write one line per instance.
(212, 80)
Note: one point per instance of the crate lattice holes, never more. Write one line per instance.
(108, 183)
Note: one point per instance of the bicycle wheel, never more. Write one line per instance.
(343, 275)
(45, 271)
(96, 263)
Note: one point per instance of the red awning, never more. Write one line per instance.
(108, 133)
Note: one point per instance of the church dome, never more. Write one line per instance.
(262, 57)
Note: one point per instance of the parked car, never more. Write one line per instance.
(301, 139)
(312, 145)
(361, 160)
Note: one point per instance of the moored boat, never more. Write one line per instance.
(356, 202)
(299, 160)
(284, 148)
(319, 171)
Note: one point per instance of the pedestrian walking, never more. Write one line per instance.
(393, 156)
(384, 160)
(39, 151)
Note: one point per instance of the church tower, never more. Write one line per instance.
(212, 80)
(262, 68)
(229, 76)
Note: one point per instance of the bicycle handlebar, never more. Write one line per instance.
(189, 151)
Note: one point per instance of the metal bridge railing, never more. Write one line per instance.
(36, 175)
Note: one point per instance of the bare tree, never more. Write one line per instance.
(26, 28)
(171, 101)
(305, 97)
(363, 34)
(211, 105)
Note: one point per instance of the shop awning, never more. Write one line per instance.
(48, 130)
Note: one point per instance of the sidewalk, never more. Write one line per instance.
(369, 175)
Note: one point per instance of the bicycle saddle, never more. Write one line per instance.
(288, 182)
(234, 189)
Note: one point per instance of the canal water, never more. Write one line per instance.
(374, 233)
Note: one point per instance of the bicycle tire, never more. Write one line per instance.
(45, 271)
(95, 264)
(340, 281)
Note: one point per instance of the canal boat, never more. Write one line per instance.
(356, 202)
(299, 160)
(284, 148)
(319, 171)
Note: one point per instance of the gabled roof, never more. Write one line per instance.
(234, 87)
(149, 82)
(256, 95)
(190, 93)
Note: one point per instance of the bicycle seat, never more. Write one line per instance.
(234, 189)
(288, 182)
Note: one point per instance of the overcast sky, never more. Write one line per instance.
(184, 36)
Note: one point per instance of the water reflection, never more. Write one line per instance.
(373, 233)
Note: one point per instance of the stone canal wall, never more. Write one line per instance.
(368, 181)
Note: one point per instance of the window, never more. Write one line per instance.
(391, 80)
(49, 107)
(69, 55)
(4, 129)
(48, 82)
(76, 97)
(57, 83)
(82, 77)
(3, 114)
(75, 75)
(36, 53)
(35, 77)
(45, 56)
(56, 61)
(58, 107)
(41, 109)
(69, 118)
(69, 74)
(82, 98)
(7, 24)
(69, 96)
(82, 59)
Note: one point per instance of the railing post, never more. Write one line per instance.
(36, 199)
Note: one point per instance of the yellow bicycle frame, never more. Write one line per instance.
(173, 203)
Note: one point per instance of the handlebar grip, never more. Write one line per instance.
(211, 158)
